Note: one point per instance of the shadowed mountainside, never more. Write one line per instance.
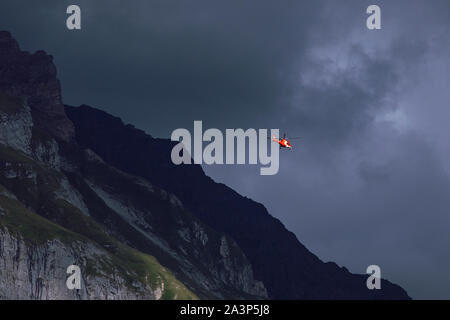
(279, 260)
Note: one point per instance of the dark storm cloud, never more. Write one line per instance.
(177, 60)
(369, 181)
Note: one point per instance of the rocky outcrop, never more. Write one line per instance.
(33, 77)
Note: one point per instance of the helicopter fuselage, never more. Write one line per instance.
(284, 143)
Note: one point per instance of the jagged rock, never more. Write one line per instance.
(33, 76)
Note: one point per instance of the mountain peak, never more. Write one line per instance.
(33, 77)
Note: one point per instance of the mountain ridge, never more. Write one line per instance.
(214, 204)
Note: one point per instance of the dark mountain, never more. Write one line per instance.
(61, 204)
(77, 186)
(279, 260)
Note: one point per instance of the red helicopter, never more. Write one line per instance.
(284, 143)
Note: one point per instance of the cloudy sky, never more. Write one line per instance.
(368, 183)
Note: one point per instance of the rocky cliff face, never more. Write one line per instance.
(39, 272)
(77, 186)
